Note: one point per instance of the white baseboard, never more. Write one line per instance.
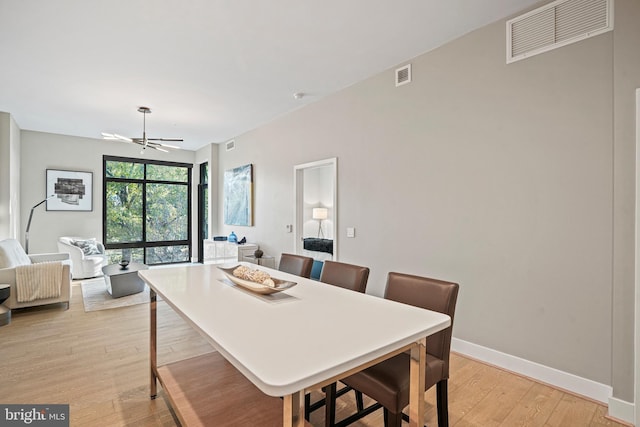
(622, 410)
(573, 383)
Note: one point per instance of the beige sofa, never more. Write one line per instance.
(12, 255)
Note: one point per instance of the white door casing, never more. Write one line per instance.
(637, 269)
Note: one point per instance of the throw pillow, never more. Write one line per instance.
(89, 247)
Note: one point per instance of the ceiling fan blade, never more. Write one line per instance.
(115, 137)
(159, 144)
(159, 149)
(122, 138)
(175, 147)
(166, 139)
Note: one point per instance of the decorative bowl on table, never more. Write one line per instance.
(123, 264)
(259, 288)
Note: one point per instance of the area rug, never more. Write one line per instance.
(95, 296)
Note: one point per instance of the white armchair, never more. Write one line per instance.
(87, 256)
(12, 257)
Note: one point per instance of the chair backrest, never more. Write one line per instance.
(432, 294)
(348, 276)
(88, 246)
(12, 254)
(296, 264)
(316, 270)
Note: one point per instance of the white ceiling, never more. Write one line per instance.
(209, 69)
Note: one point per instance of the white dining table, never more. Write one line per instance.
(297, 340)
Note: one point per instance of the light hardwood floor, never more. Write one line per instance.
(98, 362)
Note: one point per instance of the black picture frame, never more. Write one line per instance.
(71, 190)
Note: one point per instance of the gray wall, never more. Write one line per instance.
(500, 177)
(41, 151)
(9, 177)
(5, 173)
(626, 68)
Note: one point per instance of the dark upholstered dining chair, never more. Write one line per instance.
(354, 278)
(296, 264)
(348, 276)
(388, 382)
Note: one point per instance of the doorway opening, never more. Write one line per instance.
(316, 209)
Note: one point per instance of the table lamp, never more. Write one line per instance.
(320, 214)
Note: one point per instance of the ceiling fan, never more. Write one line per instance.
(155, 143)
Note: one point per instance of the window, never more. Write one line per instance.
(146, 210)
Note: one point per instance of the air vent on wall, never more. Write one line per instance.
(555, 25)
(231, 145)
(403, 75)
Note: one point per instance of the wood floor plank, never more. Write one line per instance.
(535, 408)
(466, 395)
(98, 363)
(496, 405)
(572, 411)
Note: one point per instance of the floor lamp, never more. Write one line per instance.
(319, 214)
(26, 234)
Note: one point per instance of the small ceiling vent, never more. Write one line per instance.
(403, 75)
(231, 145)
(557, 24)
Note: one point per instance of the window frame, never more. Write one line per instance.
(143, 244)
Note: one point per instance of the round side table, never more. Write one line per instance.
(5, 313)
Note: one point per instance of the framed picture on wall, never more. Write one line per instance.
(71, 190)
(238, 196)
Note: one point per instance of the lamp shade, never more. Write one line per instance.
(319, 213)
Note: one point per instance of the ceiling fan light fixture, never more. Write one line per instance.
(144, 141)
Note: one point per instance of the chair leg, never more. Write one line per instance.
(330, 405)
(307, 404)
(391, 419)
(442, 401)
(359, 401)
